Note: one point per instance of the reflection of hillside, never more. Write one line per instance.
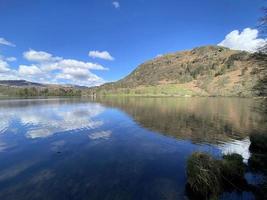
(198, 119)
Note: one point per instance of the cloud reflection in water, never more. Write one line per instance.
(51, 118)
(100, 135)
(236, 146)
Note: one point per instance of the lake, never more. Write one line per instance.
(116, 148)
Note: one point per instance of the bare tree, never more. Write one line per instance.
(263, 28)
(260, 57)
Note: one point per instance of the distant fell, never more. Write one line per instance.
(20, 83)
(23, 88)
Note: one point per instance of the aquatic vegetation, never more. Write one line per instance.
(203, 175)
(258, 143)
(232, 168)
(208, 177)
(258, 163)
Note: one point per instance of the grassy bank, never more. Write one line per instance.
(180, 90)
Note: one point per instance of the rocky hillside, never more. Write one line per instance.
(203, 71)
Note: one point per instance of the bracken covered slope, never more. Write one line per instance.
(203, 71)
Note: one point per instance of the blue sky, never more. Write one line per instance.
(50, 41)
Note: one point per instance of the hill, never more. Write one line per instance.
(25, 88)
(203, 71)
(20, 83)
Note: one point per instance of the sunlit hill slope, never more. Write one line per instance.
(203, 71)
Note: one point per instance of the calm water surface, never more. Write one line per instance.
(116, 148)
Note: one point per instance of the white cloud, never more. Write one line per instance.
(3, 41)
(11, 59)
(80, 75)
(6, 72)
(100, 54)
(70, 63)
(39, 56)
(116, 4)
(49, 68)
(247, 40)
(29, 70)
(4, 66)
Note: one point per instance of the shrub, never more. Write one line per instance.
(258, 163)
(203, 175)
(258, 143)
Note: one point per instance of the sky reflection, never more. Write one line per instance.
(50, 119)
(119, 149)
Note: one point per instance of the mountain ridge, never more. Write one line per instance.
(25, 88)
(25, 83)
